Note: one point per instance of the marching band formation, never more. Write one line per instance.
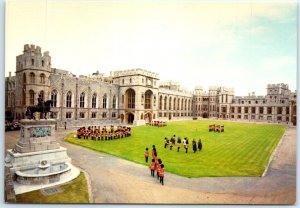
(106, 133)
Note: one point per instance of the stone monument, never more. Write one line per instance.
(37, 160)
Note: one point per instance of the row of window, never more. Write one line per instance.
(183, 104)
(32, 78)
(93, 115)
(246, 109)
(32, 63)
(174, 114)
(82, 100)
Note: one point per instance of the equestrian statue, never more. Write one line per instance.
(42, 107)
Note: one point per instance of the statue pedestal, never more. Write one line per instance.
(36, 135)
(37, 160)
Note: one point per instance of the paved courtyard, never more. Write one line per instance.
(115, 180)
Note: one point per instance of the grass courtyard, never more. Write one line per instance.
(243, 149)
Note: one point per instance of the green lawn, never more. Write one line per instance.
(75, 192)
(243, 149)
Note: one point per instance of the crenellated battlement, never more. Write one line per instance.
(137, 71)
(280, 85)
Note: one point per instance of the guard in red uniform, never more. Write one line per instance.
(146, 155)
(152, 167)
(161, 174)
(158, 168)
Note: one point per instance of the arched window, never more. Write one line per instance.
(32, 78)
(185, 104)
(43, 63)
(178, 103)
(160, 102)
(174, 104)
(148, 95)
(114, 102)
(31, 97)
(94, 100)
(130, 98)
(81, 100)
(12, 99)
(54, 98)
(42, 95)
(24, 78)
(69, 100)
(42, 78)
(181, 104)
(104, 101)
(165, 103)
(170, 103)
(32, 62)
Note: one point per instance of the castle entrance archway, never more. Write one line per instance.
(148, 117)
(130, 118)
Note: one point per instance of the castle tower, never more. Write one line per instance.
(32, 77)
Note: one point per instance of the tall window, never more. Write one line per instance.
(174, 104)
(181, 104)
(31, 97)
(130, 98)
(114, 102)
(261, 110)
(170, 103)
(69, 100)
(43, 63)
(42, 78)
(165, 103)
(94, 100)
(185, 105)
(42, 95)
(160, 102)
(148, 99)
(32, 78)
(54, 98)
(81, 100)
(178, 103)
(32, 62)
(104, 101)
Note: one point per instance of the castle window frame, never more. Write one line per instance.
(114, 102)
(81, 100)
(69, 100)
(32, 78)
(81, 115)
(104, 104)
(42, 78)
(94, 114)
(130, 98)
(261, 110)
(113, 114)
(43, 63)
(68, 114)
(160, 103)
(148, 94)
(54, 98)
(32, 62)
(31, 97)
(94, 101)
(42, 94)
(104, 115)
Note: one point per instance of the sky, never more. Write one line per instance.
(236, 44)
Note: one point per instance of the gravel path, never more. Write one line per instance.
(115, 180)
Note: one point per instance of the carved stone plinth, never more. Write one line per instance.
(36, 135)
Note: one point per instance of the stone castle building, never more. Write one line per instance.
(133, 96)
